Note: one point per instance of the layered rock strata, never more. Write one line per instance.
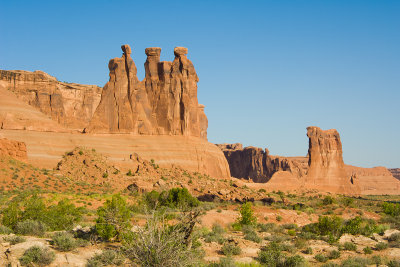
(164, 103)
(326, 167)
(71, 105)
(258, 165)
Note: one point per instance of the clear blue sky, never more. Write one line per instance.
(268, 69)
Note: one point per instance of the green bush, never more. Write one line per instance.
(356, 261)
(179, 198)
(321, 258)
(30, 227)
(308, 251)
(250, 234)
(367, 250)
(216, 235)
(106, 258)
(334, 254)
(64, 241)
(37, 255)
(161, 244)
(174, 198)
(246, 215)
(4, 230)
(349, 246)
(113, 218)
(394, 263)
(360, 226)
(272, 255)
(229, 249)
(394, 237)
(14, 239)
(328, 200)
(32, 207)
(391, 209)
(381, 246)
(326, 226)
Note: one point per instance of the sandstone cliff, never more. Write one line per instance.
(164, 103)
(326, 167)
(71, 105)
(256, 164)
(395, 172)
(13, 149)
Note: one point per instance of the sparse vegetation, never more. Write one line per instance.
(37, 255)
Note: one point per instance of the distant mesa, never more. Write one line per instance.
(323, 169)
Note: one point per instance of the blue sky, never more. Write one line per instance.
(267, 69)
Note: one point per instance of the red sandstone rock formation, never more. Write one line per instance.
(326, 167)
(164, 103)
(256, 164)
(13, 149)
(124, 106)
(71, 105)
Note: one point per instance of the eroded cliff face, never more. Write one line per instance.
(71, 105)
(256, 164)
(164, 103)
(12, 148)
(326, 167)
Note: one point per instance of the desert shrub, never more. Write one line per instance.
(161, 244)
(381, 246)
(347, 201)
(229, 249)
(30, 227)
(224, 262)
(32, 207)
(349, 246)
(326, 226)
(394, 237)
(294, 261)
(246, 215)
(291, 232)
(334, 254)
(354, 261)
(63, 216)
(174, 198)
(178, 198)
(300, 243)
(105, 258)
(359, 225)
(14, 239)
(391, 209)
(321, 257)
(267, 227)
(216, 235)
(367, 250)
(250, 234)
(328, 200)
(394, 263)
(272, 255)
(308, 251)
(289, 226)
(113, 218)
(37, 255)
(4, 230)
(330, 264)
(279, 218)
(64, 241)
